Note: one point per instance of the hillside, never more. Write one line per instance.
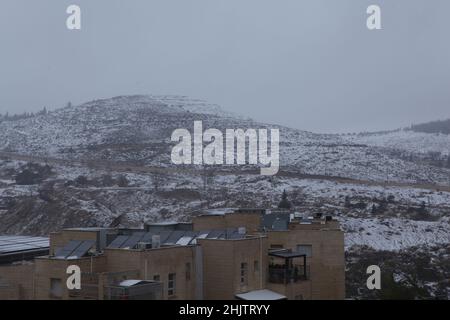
(97, 165)
(442, 126)
(429, 149)
(137, 129)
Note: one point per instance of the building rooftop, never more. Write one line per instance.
(217, 212)
(165, 223)
(17, 248)
(287, 254)
(131, 283)
(173, 238)
(276, 221)
(224, 211)
(260, 295)
(88, 229)
(75, 249)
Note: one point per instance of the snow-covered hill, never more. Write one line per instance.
(137, 129)
(406, 140)
(341, 175)
(99, 201)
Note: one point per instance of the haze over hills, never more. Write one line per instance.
(440, 126)
(94, 165)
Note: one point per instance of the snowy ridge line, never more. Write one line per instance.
(137, 129)
(167, 103)
(404, 139)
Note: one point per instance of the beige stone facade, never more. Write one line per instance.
(233, 266)
(251, 220)
(17, 281)
(304, 261)
(158, 264)
(327, 261)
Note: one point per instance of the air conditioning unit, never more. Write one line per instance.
(242, 230)
(156, 241)
(144, 245)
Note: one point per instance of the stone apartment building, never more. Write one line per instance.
(222, 254)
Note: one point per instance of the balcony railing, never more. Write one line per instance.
(281, 274)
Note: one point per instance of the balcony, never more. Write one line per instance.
(281, 274)
(287, 272)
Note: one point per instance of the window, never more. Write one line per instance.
(305, 249)
(188, 271)
(156, 277)
(171, 285)
(244, 273)
(56, 289)
(256, 265)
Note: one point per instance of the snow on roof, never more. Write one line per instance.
(260, 295)
(184, 241)
(164, 223)
(86, 229)
(15, 244)
(219, 211)
(130, 283)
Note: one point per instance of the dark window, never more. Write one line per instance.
(156, 277)
(256, 265)
(244, 273)
(171, 285)
(305, 249)
(56, 289)
(188, 271)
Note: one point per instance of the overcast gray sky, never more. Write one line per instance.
(309, 64)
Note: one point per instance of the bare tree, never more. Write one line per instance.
(158, 180)
(208, 174)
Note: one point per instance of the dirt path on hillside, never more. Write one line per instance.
(140, 169)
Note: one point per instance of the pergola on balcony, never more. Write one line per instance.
(288, 267)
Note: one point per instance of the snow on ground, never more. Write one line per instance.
(334, 190)
(408, 140)
(138, 128)
(394, 234)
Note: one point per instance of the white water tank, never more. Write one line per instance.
(156, 241)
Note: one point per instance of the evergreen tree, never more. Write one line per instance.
(27, 177)
(81, 181)
(348, 203)
(374, 209)
(122, 181)
(383, 205)
(423, 208)
(284, 203)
